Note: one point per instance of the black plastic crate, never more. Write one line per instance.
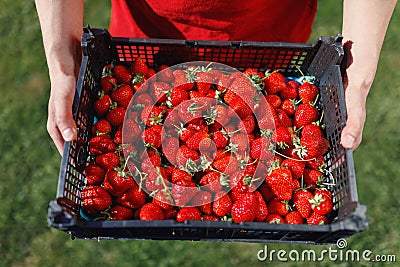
(321, 59)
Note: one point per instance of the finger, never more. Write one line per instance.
(61, 125)
(356, 114)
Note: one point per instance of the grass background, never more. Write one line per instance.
(29, 163)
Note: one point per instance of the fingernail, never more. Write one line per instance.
(348, 141)
(68, 134)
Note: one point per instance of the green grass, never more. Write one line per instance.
(29, 163)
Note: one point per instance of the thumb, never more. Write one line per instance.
(352, 133)
(64, 119)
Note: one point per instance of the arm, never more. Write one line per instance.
(364, 24)
(61, 25)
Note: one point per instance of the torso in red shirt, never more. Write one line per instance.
(245, 20)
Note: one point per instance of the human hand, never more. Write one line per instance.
(60, 123)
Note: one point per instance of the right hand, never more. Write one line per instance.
(60, 123)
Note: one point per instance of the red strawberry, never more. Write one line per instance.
(101, 144)
(183, 191)
(122, 95)
(311, 130)
(222, 203)
(267, 117)
(131, 131)
(190, 110)
(159, 90)
(108, 83)
(150, 73)
(185, 154)
(156, 179)
(278, 206)
(227, 164)
(122, 74)
(94, 174)
(316, 163)
(312, 147)
(260, 149)
(245, 209)
(132, 198)
(249, 124)
(324, 193)
(261, 209)
(116, 116)
(241, 108)
(301, 201)
(119, 212)
(188, 214)
(305, 114)
(177, 96)
(321, 205)
(152, 136)
(294, 217)
(313, 178)
(283, 118)
(102, 104)
(282, 137)
(95, 199)
(223, 83)
(198, 139)
(240, 88)
(280, 181)
(170, 214)
(290, 92)
(239, 144)
(179, 174)
(185, 132)
(204, 81)
(101, 127)
(295, 185)
(241, 182)
(274, 83)
(288, 106)
(117, 181)
(151, 115)
(143, 99)
(308, 92)
(139, 84)
(163, 198)
(139, 66)
(150, 162)
(170, 148)
(236, 195)
(108, 160)
(274, 100)
(295, 166)
(317, 219)
(220, 139)
(202, 200)
(266, 192)
(214, 181)
(165, 74)
(255, 76)
(151, 211)
(219, 114)
(274, 218)
(293, 84)
(184, 79)
(212, 217)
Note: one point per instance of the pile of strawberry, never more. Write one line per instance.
(196, 143)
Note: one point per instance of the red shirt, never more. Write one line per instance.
(245, 20)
